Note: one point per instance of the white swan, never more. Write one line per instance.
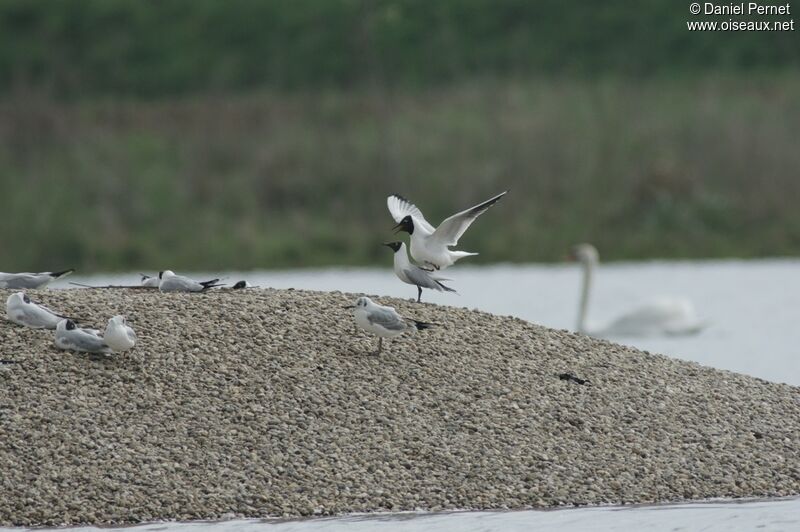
(672, 316)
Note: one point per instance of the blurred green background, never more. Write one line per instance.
(267, 134)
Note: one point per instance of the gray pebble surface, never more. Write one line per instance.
(264, 403)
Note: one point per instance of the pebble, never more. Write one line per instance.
(264, 403)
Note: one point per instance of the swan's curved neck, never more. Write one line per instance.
(583, 308)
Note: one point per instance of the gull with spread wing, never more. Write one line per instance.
(430, 245)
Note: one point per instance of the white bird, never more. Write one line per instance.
(429, 245)
(666, 316)
(30, 281)
(383, 321)
(150, 281)
(413, 274)
(178, 283)
(22, 311)
(71, 337)
(119, 335)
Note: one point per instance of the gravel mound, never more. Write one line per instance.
(264, 403)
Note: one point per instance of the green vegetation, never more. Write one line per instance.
(264, 134)
(700, 168)
(84, 48)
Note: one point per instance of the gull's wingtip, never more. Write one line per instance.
(398, 197)
(62, 273)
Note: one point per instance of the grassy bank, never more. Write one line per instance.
(701, 168)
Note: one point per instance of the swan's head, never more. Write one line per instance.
(406, 224)
(584, 253)
(394, 245)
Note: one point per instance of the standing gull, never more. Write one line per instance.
(30, 281)
(119, 335)
(382, 321)
(71, 337)
(430, 245)
(178, 283)
(22, 311)
(413, 274)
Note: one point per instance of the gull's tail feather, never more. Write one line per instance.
(62, 273)
(213, 283)
(443, 287)
(461, 254)
(421, 325)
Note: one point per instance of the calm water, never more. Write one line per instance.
(753, 306)
(771, 516)
(754, 310)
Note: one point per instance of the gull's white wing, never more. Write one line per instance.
(450, 230)
(40, 315)
(20, 280)
(49, 310)
(386, 318)
(131, 334)
(179, 283)
(82, 340)
(399, 208)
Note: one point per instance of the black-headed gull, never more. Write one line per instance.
(178, 283)
(30, 281)
(119, 335)
(383, 321)
(23, 311)
(430, 245)
(150, 281)
(71, 337)
(413, 274)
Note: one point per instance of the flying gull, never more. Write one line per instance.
(430, 245)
